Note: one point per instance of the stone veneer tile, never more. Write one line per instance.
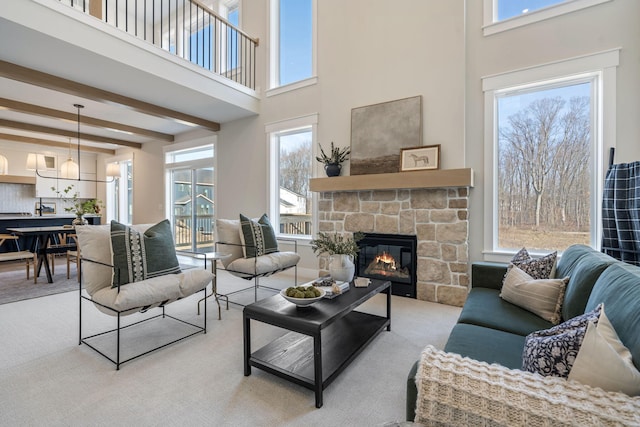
(426, 292)
(452, 233)
(384, 195)
(370, 207)
(438, 217)
(457, 203)
(390, 208)
(429, 199)
(452, 295)
(346, 202)
(445, 215)
(387, 224)
(359, 222)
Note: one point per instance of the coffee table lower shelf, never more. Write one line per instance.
(291, 356)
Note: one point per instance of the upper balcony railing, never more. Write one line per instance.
(186, 28)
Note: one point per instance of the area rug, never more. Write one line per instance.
(14, 285)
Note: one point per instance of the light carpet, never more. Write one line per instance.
(46, 378)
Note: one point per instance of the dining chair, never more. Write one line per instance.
(27, 256)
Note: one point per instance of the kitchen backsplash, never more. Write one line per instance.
(16, 198)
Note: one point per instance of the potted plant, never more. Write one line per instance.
(342, 253)
(333, 162)
(78, 206)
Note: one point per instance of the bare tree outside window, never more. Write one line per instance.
(294, 174)
(544, 171)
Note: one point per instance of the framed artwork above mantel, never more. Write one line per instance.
(380, 131)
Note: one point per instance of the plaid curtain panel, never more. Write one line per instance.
(621, 212)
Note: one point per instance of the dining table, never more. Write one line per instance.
(43, 244)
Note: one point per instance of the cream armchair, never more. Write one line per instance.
(122, 299)
(229, 241)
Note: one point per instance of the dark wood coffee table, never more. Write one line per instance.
(325, 337)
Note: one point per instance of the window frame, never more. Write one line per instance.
(493, 26)
(273, 78)
(599, 66)
(110, 190)
(273, 130)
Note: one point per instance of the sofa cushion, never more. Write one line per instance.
(152, 292)
(552, 352)
(142, 255)
(618, 287)
(583, 273)
(265, 264)
(94, 244)
(570, 257)
(603, 361)
(542, 297)
(257, 237)
(228, 238)
(484, 307)
(488, 345)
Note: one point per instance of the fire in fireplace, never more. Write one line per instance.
(389, 257)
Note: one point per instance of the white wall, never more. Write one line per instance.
(372, 51)
(599, 28)
(369, 51)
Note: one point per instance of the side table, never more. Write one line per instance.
(214, 257)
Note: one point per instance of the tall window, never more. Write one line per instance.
(120, 192)
(291, 170)
(191, 194)
(545, 166)
(544, 142)
(501, 15)
(292, 35)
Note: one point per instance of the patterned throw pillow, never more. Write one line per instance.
(139, 256)
(538, 268)
(258, 238)
(552, 352)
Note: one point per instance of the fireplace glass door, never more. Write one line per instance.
(389, 257)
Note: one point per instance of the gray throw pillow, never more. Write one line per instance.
(258, 237)
(552, 352)
(139, 256)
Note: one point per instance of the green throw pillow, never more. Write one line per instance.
(138, 256)
(258, 238)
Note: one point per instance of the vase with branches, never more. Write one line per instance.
(333, 161)
(79, 207)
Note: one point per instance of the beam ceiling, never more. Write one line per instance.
(30, 76)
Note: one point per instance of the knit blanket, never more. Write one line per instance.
(458, 391)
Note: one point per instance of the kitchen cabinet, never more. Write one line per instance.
(47, 187)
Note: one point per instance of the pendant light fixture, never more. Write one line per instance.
(69, 169)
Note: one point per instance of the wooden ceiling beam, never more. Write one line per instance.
(37, 110)
(70, 134)
(49, 81)
(49, 143)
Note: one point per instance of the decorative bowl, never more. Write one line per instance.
(302, 302)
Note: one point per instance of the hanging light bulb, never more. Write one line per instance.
(70, 169)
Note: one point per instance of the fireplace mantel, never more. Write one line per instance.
(392, 181)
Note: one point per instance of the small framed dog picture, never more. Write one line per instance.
(420, 158)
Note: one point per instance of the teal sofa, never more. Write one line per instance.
(492, 330)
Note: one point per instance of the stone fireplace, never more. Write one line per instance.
(438, 217)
